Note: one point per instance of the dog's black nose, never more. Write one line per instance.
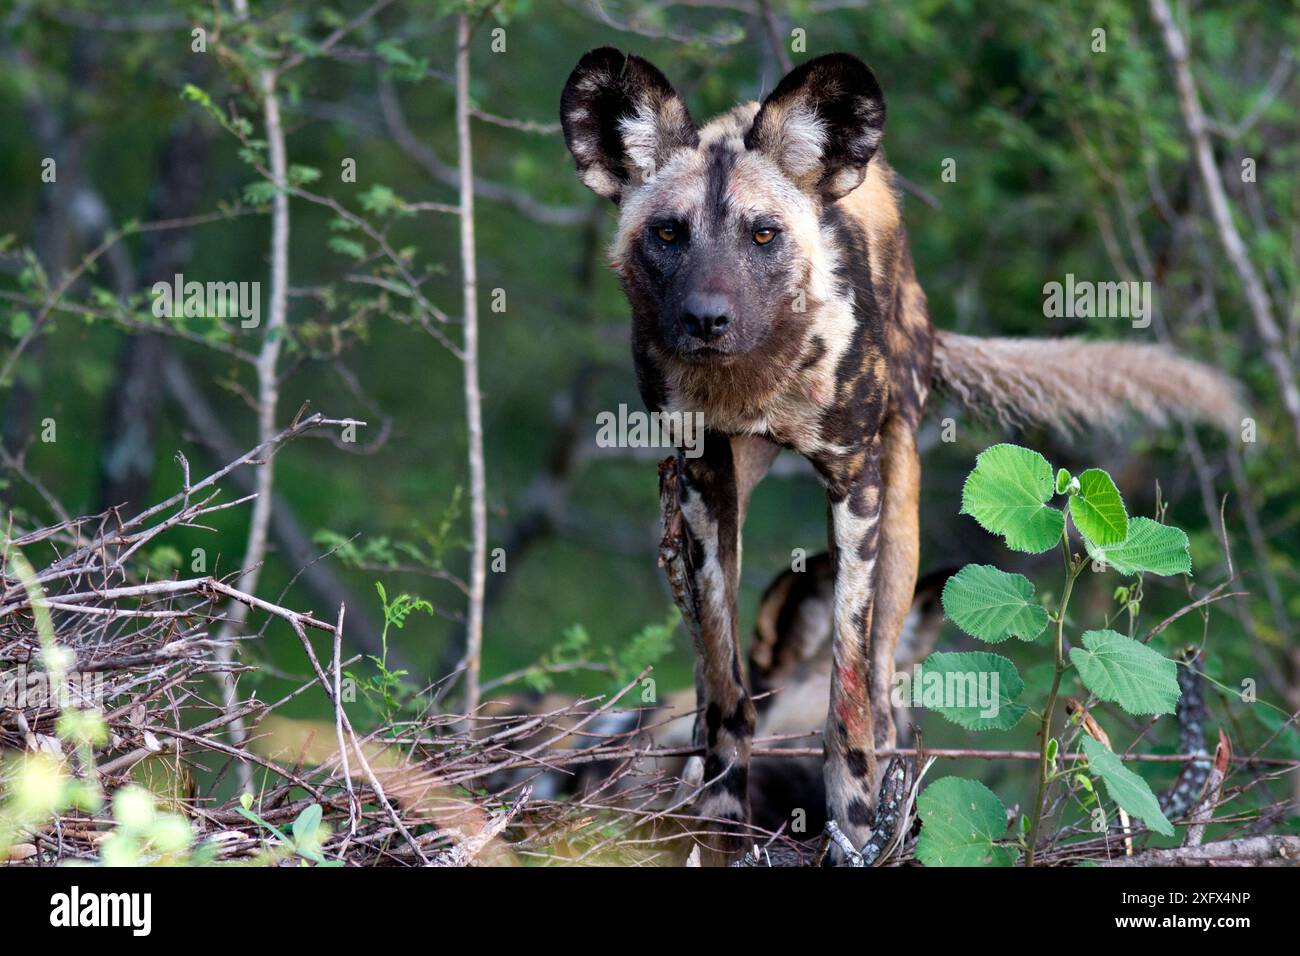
(706, 314)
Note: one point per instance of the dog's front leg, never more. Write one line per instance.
(711, 493)
(850, 767)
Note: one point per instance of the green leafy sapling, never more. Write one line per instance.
(1010, 494)
(623, 661)
(388, 688)
(305, 837)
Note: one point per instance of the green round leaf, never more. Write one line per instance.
(1098, 510)
(1149, 547)
(961, 820)
(1007, 494)
(977, 690)
(1125, 787)
(1127, 672)
(993, 605)
(307, 825)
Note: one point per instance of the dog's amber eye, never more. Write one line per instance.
(667, 233)
(763, 236)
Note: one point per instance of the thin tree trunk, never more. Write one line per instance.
(473, 400)
(1261, 309)
(268, 385)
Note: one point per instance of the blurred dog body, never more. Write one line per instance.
(790, 664)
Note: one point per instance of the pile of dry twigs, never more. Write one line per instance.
(155, 661)
(146, 653)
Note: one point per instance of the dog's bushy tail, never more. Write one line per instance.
(1067, 384)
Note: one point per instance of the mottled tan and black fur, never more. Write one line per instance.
(773, 292)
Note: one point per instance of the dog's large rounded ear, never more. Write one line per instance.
(822, 124)
(622, 119)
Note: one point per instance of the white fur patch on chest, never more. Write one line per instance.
(793, 411)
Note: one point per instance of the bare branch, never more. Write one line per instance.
(473, 398)
(1261, 308)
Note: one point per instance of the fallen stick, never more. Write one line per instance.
(1248, 851)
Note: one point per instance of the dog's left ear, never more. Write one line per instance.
(622, 119)
(822, 124)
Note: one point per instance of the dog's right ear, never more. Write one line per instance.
(622, 119)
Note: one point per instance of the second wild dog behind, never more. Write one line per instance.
(773, 293)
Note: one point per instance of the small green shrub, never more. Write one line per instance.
(1010, 493)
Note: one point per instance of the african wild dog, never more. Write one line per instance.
(772, 290)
